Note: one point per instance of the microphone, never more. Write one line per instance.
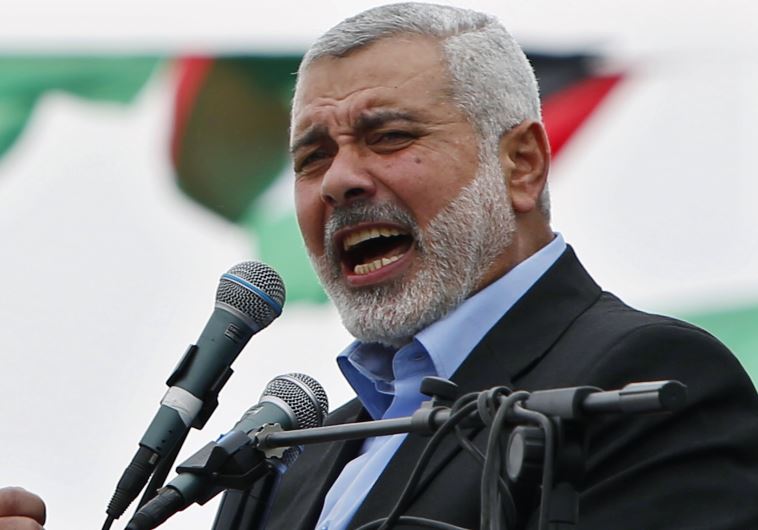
(249, 297)
(292, 401)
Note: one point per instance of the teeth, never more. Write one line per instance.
(370, 233)
(375, 265)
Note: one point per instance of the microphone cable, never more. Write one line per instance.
(493, 407)
(491, 512)
(416, 522)
(161, 473)
(477, 454)
(480, 457)
(387, 522)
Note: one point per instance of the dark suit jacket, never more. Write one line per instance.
(694, 469)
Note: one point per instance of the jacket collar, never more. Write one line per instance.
(525, 334)
(512, 348)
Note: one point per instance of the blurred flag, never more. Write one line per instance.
(230, 141)
(230, 135)
(23, 80)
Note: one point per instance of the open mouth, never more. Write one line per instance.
(367, 249)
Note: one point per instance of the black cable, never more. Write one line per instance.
(493, 407)
(465, 399)
(415, 521)
(469, 446)
(422, 462)
(477, 455)
(466, 444)
(108, 522)
(490, 493)
(461, 410)
(547, 463)
(488, 498)
(162, 470)
(431, 474)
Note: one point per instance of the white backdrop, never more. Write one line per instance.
(108, 272)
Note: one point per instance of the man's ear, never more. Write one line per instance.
(525, 159)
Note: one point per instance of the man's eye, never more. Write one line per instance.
(311, 158)
(390, 137)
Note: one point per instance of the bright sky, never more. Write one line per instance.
(629, 25)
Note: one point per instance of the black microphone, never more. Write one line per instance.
(292, 401)
(249, 297)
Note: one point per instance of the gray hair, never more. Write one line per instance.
(491, 79)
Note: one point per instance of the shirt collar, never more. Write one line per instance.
(368, 367)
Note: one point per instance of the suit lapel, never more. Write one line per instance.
(515, 345)
(510, 349)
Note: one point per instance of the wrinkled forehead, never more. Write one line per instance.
(408, 65)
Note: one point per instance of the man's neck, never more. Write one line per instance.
(526, 242)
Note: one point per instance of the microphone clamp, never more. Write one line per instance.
(270, 452)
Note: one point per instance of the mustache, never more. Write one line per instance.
(365, 212)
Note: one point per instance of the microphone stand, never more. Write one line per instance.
(565, 403)
(247, 509)
(162, 470)
(210, 403)
(568, 410)
(425, 420)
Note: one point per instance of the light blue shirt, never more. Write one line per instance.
(387, 382)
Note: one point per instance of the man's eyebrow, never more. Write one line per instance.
(365, 122)
(377, 118)
(312, 135)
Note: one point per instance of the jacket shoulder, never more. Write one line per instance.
(611, 337)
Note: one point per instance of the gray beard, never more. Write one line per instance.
(453, 254)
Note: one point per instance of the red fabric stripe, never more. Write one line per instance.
(565, 111)
(192, 74)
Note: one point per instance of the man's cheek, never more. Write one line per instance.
(312, 231)
(312, 242)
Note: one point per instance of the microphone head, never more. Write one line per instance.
(304, 396)
(254, 290)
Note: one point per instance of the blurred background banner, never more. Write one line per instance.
(230, 128)
(143, 151)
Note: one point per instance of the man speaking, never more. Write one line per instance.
(421, 191)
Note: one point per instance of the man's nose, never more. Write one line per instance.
(347, 179)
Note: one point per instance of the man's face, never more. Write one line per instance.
(386, 194)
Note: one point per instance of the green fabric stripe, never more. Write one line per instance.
(280, 245)
(234, 146)
(23, 80)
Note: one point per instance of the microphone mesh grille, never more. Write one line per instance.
(256, 308)
(316, 388)
(309, 412)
